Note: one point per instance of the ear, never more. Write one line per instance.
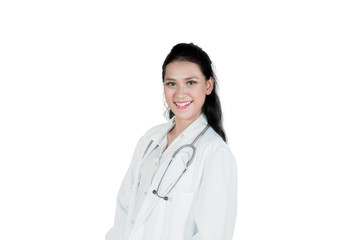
(209, 85)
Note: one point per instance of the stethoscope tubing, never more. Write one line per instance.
(192, 146)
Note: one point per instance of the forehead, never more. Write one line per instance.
(183, 69)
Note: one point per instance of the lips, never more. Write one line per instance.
(182, 105)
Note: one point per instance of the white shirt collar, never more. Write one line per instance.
(195, 127)
(190, 132)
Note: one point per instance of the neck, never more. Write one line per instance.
(181, 125)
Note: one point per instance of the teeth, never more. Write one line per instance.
(182, 104)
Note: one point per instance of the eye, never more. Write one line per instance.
(191, 83)
(171, 84)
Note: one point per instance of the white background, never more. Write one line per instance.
(81, 82)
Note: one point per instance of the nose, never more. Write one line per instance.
(181, 91)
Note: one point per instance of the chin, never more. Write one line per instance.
(186, 116)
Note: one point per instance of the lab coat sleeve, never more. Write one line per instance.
(122, 202)
(216, 204)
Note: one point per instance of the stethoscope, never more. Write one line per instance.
(192, 146)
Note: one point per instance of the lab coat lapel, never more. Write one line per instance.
(171, 173)
(152, 199)
(174, 171)
(154, 137)
(148, 205)
(172, 167)
(151, 147)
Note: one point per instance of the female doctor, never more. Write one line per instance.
(182, 181)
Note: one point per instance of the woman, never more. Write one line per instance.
(181, 183)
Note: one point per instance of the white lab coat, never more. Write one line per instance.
(201, 206)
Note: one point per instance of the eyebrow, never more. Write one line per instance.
(173, 79)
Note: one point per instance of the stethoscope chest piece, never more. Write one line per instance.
(165, 198)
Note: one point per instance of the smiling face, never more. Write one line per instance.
(185, 89)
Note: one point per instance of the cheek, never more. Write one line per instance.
(199, 94)
(168, 94)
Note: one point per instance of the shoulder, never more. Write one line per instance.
(154, 130)
(212, 145)
(151, 133)
(216, 158)
(213, 139)
(158, 132)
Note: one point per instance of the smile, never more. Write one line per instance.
(182, 105)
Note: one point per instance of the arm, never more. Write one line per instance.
(122, 202)
(216, 204)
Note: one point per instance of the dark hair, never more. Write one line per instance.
(212, 107)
